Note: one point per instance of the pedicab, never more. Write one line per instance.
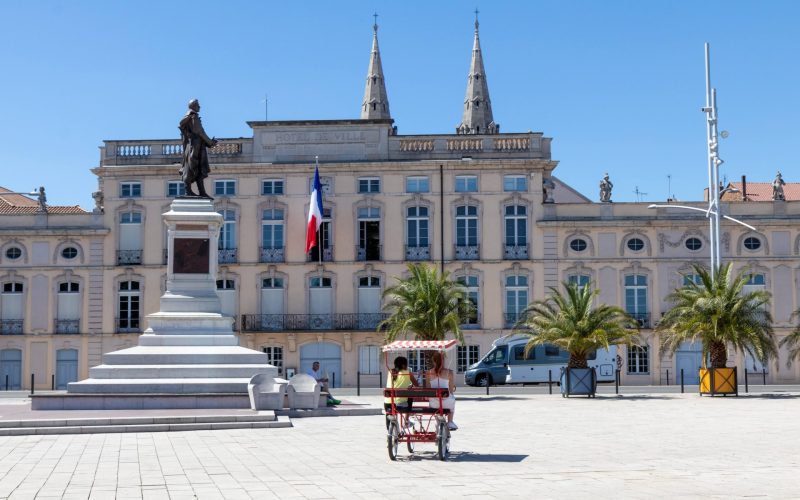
(422, 423)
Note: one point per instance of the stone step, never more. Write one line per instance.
(187, 339)
(179, 355)
(160, 386)
(261, 416)
(174, 371)
(281, 422)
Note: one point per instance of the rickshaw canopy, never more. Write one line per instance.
(420, 345)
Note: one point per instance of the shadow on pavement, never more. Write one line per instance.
(465, 456)
(489, 398)
(628, 397)
(767, 395)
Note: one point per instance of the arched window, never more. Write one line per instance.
(516, 229)
(516, 297)
(272, 235)
(129, 306)
(417, 237)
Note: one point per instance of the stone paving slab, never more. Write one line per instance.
(634, 446)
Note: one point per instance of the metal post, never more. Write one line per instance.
(53, 382)
(358, 383)
(667, 376)
(487, 386)
(616, 381)
(380, 378)
(746, 386)
(6, 381)
(681, 380)
(333, 380)
(764, 375)
(550, 381)
(32, 380)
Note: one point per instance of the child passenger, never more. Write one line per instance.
(399, 378)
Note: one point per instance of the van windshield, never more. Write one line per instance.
(496, 356)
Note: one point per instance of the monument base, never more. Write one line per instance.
(118, 401)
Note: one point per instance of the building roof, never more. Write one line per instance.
(17, 204)
(760, 191)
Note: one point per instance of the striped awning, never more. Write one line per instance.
(420, 345)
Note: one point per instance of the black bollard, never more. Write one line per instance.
(333, 380)
(31, 384)
(380, 378)
(6, 381)
(746, 388)
(667, 376)
(358, 383)
(53, 382)
(764, 375)
(681, 380)
(550, 381)
(616, 381)
(487, 385)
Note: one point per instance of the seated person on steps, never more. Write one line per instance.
(323, 381)
(440, 377)
(399, 378)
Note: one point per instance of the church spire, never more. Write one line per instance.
(477, 117)
(376, 102)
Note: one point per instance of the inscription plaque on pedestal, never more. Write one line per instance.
(190, 256)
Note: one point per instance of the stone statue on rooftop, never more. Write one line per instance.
(605, 189)
(195, 165)
(548, 186)
(42, 199)
(777, 188)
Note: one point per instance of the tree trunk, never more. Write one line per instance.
(719, 355)
(577, 360)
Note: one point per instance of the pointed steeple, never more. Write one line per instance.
(477, 117)
(376, 102)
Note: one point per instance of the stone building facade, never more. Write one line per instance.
(481, 204)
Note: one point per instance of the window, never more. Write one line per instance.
(516, 219)
(272, 283)
(369, 233)
(274, 357)
(272, 228)
(756, 279)
(130, 189)
(636, 298)
(324, 236)
(579, 279)
(635, 244)
(417, 184)
(638, 360)
(326, 182)
(693, 244)
(227, 237)
(515, 183)
(272, 186)
(130, 218)
(417, 227)
(516, 297)
(752, 243)
(688, 279)
(226, 285)
(369, 185)
(470, 283)
(317, 282)
(69, 287)
(369, 360)
(578, 245)
(14, 253)
(466, 355)
(369, 281)
(13, 287)
(416, 361)
(225, 188)
(69, 253)
(466, 183)
(129, 295)
(175, 188)
(466, 225)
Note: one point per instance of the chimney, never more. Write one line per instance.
(744, 188)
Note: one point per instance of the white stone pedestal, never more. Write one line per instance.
(189, 356)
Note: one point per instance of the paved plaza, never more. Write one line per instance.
(535, 446)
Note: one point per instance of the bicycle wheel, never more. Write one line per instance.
(392, 441)
(443, 441)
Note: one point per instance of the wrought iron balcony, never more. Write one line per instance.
(67, 326)
(308, 322)
(511, 318)
(129, 257)
(642, 318)
(370, 252)
(227, 256)
(11, 326)
(272, 254)
(327, 254)
(418, 253)
(468, 252)
(128, 325)
(516, 252)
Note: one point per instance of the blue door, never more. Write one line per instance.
(66, 367)
(329, 356)
(688, 357)
(11, 369)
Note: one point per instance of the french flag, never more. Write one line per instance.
(314, 212)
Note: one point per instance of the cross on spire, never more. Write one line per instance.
(476, 18)
(375, 25)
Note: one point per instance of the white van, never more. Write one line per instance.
(507, 363)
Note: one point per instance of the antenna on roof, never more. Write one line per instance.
(639, 194)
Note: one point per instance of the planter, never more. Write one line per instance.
(578, 382)
(718, 381)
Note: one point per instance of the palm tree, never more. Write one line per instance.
(717, 312)
(570, 322)
(427, 304)
(792, 341)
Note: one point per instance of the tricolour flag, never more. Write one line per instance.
(314, 213)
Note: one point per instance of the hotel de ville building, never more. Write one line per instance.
(482, 203)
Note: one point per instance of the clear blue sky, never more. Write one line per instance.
(617, 84)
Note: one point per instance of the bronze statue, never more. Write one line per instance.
(195, 166)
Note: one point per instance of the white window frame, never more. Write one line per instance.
(228, 228)
(414, 184)
(467, 233)
(131, 187)
(516, 218)
(274, 183)
(372, 185)
(516, 288)
(180, 189)
(467, 355)
(466, 180)
(417, 233)
(515, 179)
(274, 356)
(272, 224)
(372, 361)
(638, 360)
(226, 184)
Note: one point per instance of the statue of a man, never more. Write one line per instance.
(605, 189)
(777, 188)
(195, 166)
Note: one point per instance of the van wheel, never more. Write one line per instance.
(483, 380)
